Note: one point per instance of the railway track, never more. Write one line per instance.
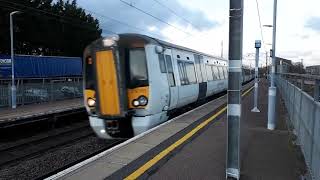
(41, 155)
(13, 153)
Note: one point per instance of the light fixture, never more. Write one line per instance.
(91, 102)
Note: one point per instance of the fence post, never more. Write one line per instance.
(317, 90)
(312, 133)
(23, 94)
(51, 91)
(302, 84)
(9, 94)
(299, 115)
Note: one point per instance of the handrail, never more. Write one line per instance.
(307, 76)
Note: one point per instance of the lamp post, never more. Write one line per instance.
(269, 44)
(13, 86)
(272, 89)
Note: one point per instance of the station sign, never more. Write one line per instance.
(5, 61)
(257, 44)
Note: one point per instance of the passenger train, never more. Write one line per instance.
(133, 82)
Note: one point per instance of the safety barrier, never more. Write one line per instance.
(31, 92)
(304, 115)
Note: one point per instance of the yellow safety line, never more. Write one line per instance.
(166, 151)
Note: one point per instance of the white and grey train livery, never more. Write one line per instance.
(132, 82)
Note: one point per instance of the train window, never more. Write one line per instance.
(221, 72)
(182, 73)
(198, 68)
(225, 72)
(138, 68)
(170, 71)
(191, 75)
(214, 75)
(216, 72)
(203, 69)
(162, 63)
(169, 64)
(89, 70)
(209, 72)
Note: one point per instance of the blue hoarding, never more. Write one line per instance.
(40, 66)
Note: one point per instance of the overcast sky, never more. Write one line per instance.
(203, 24)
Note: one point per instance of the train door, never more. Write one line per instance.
(173, 93)
(201, 77)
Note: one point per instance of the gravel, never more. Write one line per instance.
(55, 160)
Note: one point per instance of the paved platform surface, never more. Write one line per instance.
(193, 146)
(265, 154)
(33, 110)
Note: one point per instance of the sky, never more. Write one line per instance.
(203, 25)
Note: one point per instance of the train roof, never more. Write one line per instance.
(149, 39)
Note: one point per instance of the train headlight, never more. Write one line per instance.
(91, 102)
(108, 42)
(143, 100)
(135, 103)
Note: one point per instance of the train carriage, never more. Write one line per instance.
(132, 82)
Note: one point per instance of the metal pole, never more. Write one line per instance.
(267, 64)
(272, 89)
(317, 90)
(13, 86)
(255, 108)
(234, 88)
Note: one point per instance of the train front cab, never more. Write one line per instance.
(116, 85)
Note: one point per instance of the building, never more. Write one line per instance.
(314, 70)
(286, 65)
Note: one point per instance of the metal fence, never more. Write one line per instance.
(304, 115)
(39, 91)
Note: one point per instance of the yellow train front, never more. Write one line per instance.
(115, 83)
(133, 82)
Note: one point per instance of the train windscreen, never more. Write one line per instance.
(138, 68)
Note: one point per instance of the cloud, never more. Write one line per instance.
(122, 12)
(313, 23)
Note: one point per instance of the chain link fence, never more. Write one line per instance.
(41, 91)
(304, 115)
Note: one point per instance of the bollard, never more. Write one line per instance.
(272, 108)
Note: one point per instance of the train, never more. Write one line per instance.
(133, 82)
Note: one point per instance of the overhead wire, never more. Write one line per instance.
(121, 22)
(155, 17)
(176, 14)
(260, 25)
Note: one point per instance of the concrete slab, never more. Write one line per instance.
(155, 138)
(100, 170)
(132, 151)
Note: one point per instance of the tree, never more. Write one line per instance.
(46, 28)
(297, 68)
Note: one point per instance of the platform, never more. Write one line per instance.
(193, 146)
(19, 115)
